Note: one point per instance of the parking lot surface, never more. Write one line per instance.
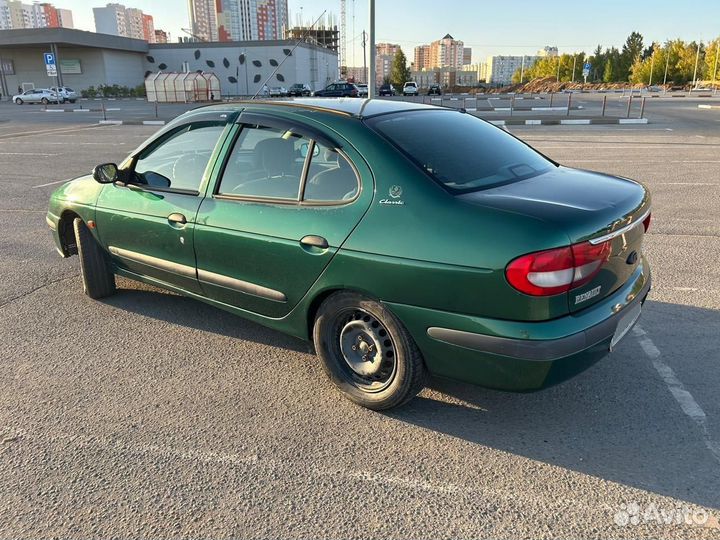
(152, 415)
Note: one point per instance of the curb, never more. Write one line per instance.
(708, 106)
(110, 122)
(570, 122)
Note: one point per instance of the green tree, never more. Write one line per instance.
(597, 61)
(712, 61)
(399, 72)
(632, 49)
(609, 72)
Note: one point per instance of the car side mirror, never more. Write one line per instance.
(107, 173)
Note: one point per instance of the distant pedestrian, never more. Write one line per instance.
(20, 90)
(212, 96)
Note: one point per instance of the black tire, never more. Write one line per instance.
(19, 101)
(44, 101)
(97, 277)
(398, 370)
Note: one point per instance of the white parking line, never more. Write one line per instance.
(27, 154)
(684, 398)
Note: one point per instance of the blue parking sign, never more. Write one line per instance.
(49, 59)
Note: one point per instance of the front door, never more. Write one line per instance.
(285, 201)
(147, 222)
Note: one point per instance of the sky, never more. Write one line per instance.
(488, 26)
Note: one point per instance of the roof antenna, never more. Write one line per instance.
(307, 32)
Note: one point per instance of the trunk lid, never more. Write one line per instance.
(587, 206)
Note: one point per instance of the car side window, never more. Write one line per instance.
(179, 161)
(266, 163)
(331, 177)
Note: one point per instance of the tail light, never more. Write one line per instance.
(555, 271)
(646, 222)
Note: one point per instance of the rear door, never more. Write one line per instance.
(147, 223)
(285, 200)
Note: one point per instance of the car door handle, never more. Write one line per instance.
(313, 240)
(178, 218)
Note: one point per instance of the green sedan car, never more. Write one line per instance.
(465, 254)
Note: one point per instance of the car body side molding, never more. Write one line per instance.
(160, 264)
(246, 287)
(204, 276)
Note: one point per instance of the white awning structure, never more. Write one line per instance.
(185, 87)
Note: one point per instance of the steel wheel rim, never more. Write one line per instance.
(366, 349)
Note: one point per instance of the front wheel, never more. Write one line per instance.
(367, 352)
(19, 101)
(97, 277)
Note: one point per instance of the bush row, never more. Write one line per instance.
(107, 90)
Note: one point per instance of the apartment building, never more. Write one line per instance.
(117, 20)
(245, 20)
(15, 14)
(447, 52)
(384, 56)
(500, 69)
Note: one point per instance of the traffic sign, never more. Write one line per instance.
(50, 64)
(586, 69)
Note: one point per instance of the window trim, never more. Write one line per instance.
(305, 131)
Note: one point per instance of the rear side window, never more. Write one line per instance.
(460, 151)
(330, 177)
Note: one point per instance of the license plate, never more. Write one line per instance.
(625, 323)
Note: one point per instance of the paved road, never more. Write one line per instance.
(151, 415)
(667, 112)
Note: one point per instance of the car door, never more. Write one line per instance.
(147, 222)
(282, 204)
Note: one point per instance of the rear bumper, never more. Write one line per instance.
(551, 349)
(521, 356)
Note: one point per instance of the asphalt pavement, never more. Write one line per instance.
(149, 415)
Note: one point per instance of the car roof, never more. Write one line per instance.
(355, 107)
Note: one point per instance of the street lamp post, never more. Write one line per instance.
(371, 74)
(667, 65)
(697, 59)
(717, 54)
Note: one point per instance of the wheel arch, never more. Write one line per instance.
(321, 296)
(66, 232)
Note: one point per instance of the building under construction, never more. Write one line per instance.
(323, 36)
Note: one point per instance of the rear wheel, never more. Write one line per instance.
(44, 101)
(367, 352)
(97, 277)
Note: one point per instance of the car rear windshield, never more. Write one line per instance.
(459, 150)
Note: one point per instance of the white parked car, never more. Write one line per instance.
(410, 89)
(362, 90)
(278, 91)
(37, 95)
(65, 92)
